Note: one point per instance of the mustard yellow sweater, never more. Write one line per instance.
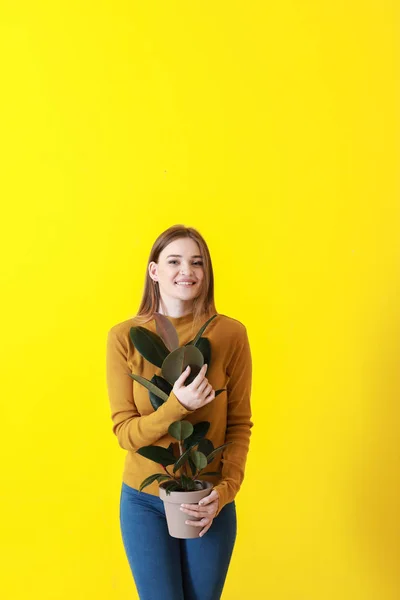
(137, 424)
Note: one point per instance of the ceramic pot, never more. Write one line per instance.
(175, 517)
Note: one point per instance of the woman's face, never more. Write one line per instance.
(178, 261)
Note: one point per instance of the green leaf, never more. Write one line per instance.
(192, 466)
(166, 331)
(149, 385)
(177, 361)
(181, 460)
(155, 401)
(199, 432)
(201, 330)
(194, 371)
(180, 430)
(203, 344)
(158, 476)
(172, 486)
(187, 483)
(157, 454)
(205, 446)
(162, 385)
(214, 452)
(199, 459)
(149, 345)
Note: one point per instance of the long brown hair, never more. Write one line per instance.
(203, 304)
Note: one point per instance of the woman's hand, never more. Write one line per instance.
(206, 508)
(196, 394)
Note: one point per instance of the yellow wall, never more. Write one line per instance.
(273, 129)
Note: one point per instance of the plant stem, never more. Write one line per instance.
(185, 466)
(172, 476)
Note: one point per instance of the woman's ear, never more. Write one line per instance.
(152, 268)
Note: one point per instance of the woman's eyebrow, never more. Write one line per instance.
(180, 255)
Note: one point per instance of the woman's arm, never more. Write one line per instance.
(239, 424)
(133, 430)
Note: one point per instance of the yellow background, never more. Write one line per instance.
(273, 128)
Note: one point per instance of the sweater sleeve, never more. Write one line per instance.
(132, 429)
(239, 424)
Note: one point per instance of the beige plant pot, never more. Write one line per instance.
(175, 517)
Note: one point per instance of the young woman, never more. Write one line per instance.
(179, 284)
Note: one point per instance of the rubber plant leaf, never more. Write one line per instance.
(182, 460)
(199, 431)
(166, 331)
(214, 452)
(199, 459)
(202, 329)
(149, 385)
(163, 385)
(203, 344)
(149, 345)
(157, 454)
(205, 446)
(180, 430)
(171, 486)
(155, 477)
(187, 483)
(192, 466)
(177, 361)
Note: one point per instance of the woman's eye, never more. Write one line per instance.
(195, 263)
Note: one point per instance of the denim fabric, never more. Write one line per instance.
(168, 568)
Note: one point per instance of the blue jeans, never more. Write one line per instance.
(168, 568)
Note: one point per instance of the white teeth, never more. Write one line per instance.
(183, 283)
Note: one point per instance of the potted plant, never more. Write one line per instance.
(162, 349)
(186, 488)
